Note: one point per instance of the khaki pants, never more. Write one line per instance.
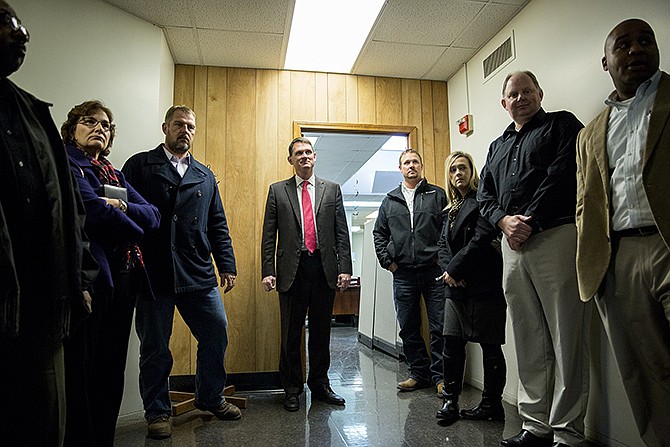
(550, 325)
(635, 310)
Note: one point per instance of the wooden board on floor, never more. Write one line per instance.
(183, 402)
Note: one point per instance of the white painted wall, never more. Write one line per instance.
(87, 49)
(562, 43)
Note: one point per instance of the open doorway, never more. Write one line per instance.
(363, 160)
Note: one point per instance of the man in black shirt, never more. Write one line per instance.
(528, 190)
(41, 252)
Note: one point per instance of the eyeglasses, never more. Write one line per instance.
(7, 19)
(92, 123)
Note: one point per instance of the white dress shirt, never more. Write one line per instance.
(180, 164)
(627, 131)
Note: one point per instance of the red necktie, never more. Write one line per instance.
(308, 219)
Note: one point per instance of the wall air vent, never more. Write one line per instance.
(502, 56)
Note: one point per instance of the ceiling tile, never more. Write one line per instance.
(397, 59)
(451, 61)
(485, 27)
(183, 46)
(237, 49)
(260, 16)
(428, 22)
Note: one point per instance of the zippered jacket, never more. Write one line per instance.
(394, 237)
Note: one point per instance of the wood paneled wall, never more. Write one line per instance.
(244, 121)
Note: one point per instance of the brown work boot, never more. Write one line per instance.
(226, 411)
(439, 387)
(412, 384)
(160, 428)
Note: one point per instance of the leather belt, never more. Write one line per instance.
(537, 228)
(632, 232)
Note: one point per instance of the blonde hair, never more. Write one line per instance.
(452, 193)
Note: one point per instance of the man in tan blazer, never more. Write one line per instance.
(623, 222)
(313, 258)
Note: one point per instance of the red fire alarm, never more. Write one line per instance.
(465, 125)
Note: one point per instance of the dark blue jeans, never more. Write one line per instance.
(409, 284)
(204, 314)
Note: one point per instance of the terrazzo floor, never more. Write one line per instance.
(376, 414)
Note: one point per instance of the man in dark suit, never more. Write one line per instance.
(313, 257)
(42, 255)
(623, 222)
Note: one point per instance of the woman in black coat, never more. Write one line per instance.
(475, 308)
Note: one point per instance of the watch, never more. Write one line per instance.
(123, 207)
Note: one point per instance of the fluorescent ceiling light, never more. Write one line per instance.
(327, 35)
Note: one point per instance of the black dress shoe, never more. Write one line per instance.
(292, 402)
(526, 439)
(327, 395)
(485, 411)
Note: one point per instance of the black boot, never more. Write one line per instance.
(490, 408)
(453, 384)
(448, 414)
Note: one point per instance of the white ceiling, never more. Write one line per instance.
(418, 39)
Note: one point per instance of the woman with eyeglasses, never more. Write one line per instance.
(475, 308)
(116, 219)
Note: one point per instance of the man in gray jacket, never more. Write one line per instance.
(405, 235)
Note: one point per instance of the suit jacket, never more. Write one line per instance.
(466, 252)
(594, 247)
(282, 232)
